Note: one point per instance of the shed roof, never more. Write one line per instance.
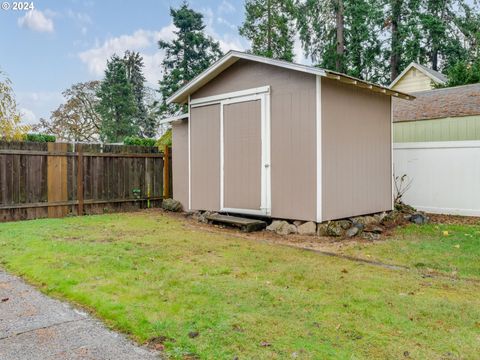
(439, 103)
(232, 57)
(436, 76)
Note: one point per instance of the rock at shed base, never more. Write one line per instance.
(373, 229)
(297, 223)
(370, 236)
(365, 220)
(353, 231)
(171, 205)
(308, 228)
(322, 229)
(335, 229)
(282, 227)
(419, 219)
(275, 225)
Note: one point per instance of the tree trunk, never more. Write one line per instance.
(340, 37)
(395, 56)
(434, 59)
(436, 40)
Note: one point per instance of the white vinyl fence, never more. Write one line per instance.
(445, 176)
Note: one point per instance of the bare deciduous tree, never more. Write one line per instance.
(76, 120)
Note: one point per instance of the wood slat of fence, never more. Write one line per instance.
(53, 180)
(79, 184)
(57, 180)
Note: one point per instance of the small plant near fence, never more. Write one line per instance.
(402, 184)
(40, 138)
(138, 141)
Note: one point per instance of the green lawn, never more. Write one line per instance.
(448, 249)
(149, 276)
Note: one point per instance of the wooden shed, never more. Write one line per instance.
(272, 138)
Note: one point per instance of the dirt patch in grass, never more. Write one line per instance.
(396, 238)
(322, 243)
(454, 219)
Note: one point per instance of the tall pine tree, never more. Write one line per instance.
(134, 69)
(321, 28)
(191, 52)
(342, 35)
(442, 42)
(363, 25)
(404, 36)
(269, 25)
(117, 106)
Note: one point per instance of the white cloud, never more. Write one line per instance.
(226, 7)
(96, 58)
(298, 51)
(227, 23)
(228, 41)
(37, 21)
(35, 105)
(28, 116)
(143, 41)
(79, 16)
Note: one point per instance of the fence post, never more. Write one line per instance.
(79, 179)
(57, 179)
(166, 172)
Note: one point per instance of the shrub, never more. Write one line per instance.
(166, 139)
(138, 141)
(40, 138)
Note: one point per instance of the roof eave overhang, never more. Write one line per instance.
(367, 85)
(181, 95)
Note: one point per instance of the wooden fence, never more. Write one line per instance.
(40, 180)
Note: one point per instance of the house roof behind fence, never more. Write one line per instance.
(439, 103)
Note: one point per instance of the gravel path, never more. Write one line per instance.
(34, 326)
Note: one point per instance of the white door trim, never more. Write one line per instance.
(189, 159)
(265, 201)
(392, 169)
(231, 95)
(318, 125)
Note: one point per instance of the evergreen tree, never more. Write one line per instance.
(404, 34)
(463, 73)
(442, 41)
(342, 35)
(117, 106)
(434, 33)
(187, 55)
(269, 27)
(376, 39)
(363, 20)
(134, 70)
(321, 28)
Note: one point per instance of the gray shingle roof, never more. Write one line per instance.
(439, 103)
(434, 73)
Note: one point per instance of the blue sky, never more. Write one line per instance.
(62, 42)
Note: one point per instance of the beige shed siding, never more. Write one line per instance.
(205, 157)
(242, 155)
(293, 143)
(180, 162)
(414, 80)
(356, 151)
